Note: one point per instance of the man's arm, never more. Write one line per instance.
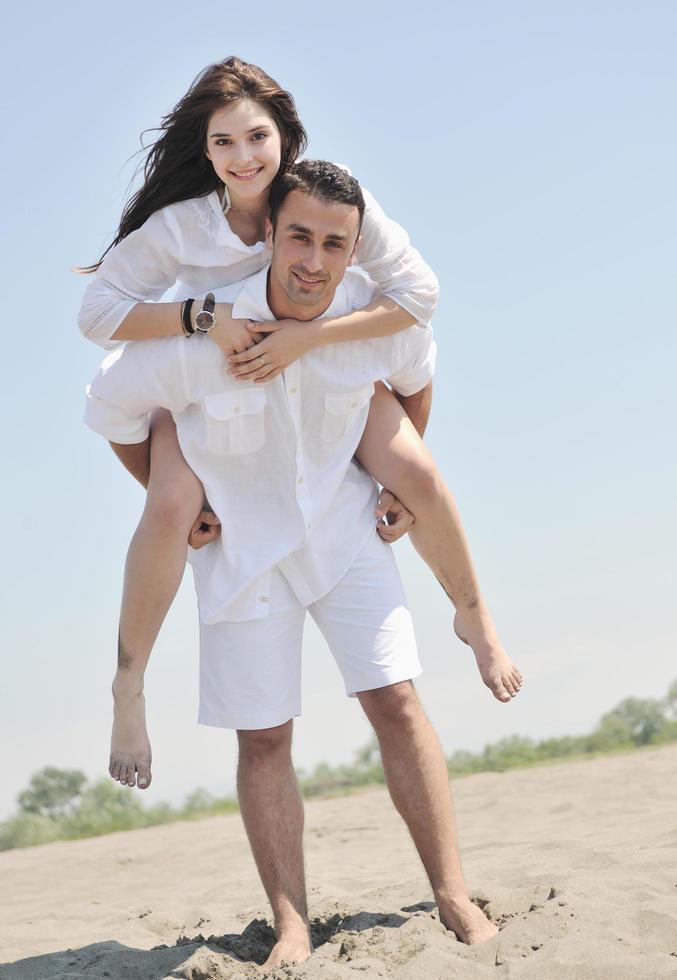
(135, 458)
(418, 407)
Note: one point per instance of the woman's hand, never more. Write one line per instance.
(399, 519)
(232, 336)
(287, 340)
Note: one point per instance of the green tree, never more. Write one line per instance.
(671, 700)
(52, 792)
(644, 719)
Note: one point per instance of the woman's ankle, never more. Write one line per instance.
(128, 684)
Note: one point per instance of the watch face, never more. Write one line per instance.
(204, 320)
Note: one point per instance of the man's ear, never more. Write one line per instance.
(353, 254)
(269, 233)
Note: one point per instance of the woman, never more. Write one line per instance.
(197, 223)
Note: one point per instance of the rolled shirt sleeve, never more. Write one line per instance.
(417, 370)
(386, 255)
(130, 383)
(141, 268)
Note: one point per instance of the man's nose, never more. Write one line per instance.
(314, 261)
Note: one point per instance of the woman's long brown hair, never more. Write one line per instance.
(176, 167)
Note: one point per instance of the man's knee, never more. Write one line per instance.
(396, 704)
(264, 742)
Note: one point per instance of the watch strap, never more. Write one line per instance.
(186, 321)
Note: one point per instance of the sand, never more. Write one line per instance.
(577, 863)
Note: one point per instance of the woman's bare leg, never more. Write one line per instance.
(153, 573)
(392, 451)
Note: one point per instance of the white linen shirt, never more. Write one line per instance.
(275, 459)
(191, 246)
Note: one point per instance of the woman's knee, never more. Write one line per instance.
(418, 479)
(174, 502)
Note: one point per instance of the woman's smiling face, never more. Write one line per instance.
(244, 146)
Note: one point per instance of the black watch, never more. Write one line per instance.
(205, 320)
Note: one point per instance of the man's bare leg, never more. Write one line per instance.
(418, 781)
(394, 454)
(155, 563)
(272, 810)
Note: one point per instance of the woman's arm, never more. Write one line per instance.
(131, 278)
(121, 302)
(288, 340)
(147, 321)
(381, 318)
(385, 253)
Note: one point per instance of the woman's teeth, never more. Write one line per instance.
(246, 174)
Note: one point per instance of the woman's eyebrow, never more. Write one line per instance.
(254, 129)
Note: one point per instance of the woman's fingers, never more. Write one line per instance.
(269, 377)
(252, 371)
(271, 326)
(253, 351)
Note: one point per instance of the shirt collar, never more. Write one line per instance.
(251, 302)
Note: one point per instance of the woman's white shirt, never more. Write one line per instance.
(191, 246)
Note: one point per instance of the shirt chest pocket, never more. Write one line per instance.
(341, 411)
(235, 421)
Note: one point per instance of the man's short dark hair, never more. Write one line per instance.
(319, 178)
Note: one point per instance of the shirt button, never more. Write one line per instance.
(236, 408)
(300, 480)
(353, 404)
(263, 598)
(292, 391)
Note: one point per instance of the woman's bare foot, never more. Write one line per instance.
(294, 945)
(495, 666)
(466, 921)
(130, 754)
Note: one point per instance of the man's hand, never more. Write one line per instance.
(399, 519)
(287, 340)
(206, 528)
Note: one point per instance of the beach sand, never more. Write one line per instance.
(577, 863)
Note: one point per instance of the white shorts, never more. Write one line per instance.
(250, 672)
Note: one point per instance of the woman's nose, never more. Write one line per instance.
(242, 153)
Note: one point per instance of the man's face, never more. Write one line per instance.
(313, 244)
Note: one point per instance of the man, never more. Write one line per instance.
(296, 511)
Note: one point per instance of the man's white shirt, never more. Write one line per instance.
(276, 459)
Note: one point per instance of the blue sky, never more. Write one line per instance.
(530, 151)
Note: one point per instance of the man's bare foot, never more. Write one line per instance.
(130, 754)
(466, 921)
(495, 666)
(293, 946)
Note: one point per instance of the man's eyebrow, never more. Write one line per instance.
(254, 129)
(307, 231)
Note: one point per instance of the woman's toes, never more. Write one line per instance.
(143, 778)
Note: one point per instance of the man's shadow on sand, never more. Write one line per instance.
(112, 960)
